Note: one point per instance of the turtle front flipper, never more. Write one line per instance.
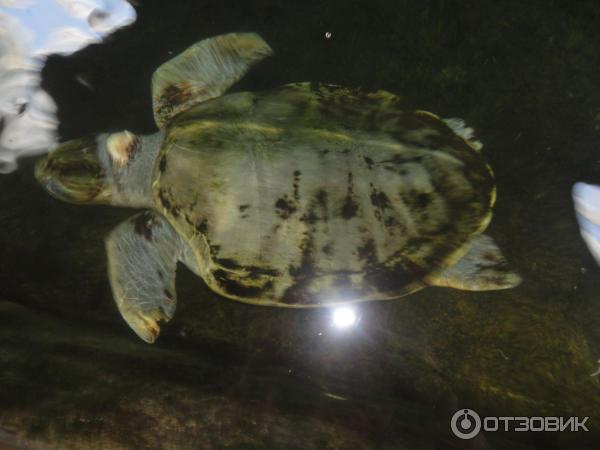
(204, 71)
(142, 257)
(482, 268)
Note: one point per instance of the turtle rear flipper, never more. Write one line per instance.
(204, 71)
(482, 268)
(142, 257)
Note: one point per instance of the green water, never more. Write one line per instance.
(223, 375)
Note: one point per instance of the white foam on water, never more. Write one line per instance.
(30, 30)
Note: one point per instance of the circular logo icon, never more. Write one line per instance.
(466, 424)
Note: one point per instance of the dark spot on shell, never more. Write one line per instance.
(168, 294)
(310, 217)
(321, 201)
(380, 202)
(214, 250)
(244, 207)
(202, 226)
(327, 249)
(395, 279)
(235, 287)
(285, 207)
(390, 222)
(422, 200)
(302, 275)
(296, 184)
(403, 159)
(143, 225)
(369, 162)
(346, 151)
(350, 207)
(162, 166)
(228, 263)
(396, 276)
(297, 293)
(417, 201)
(379, 199)
(160, 275)
(324, 152)
(321, 198)
(367, 252)
(415, 243)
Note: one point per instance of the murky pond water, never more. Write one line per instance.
(524, 75)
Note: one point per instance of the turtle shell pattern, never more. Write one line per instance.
(312, 194)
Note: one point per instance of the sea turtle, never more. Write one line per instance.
(305, 195)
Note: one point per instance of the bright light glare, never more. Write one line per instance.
(344, 317)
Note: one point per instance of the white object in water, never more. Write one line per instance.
(587, 208)
(30, 30)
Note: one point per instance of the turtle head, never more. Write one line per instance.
(109, 168)
(74, 173)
